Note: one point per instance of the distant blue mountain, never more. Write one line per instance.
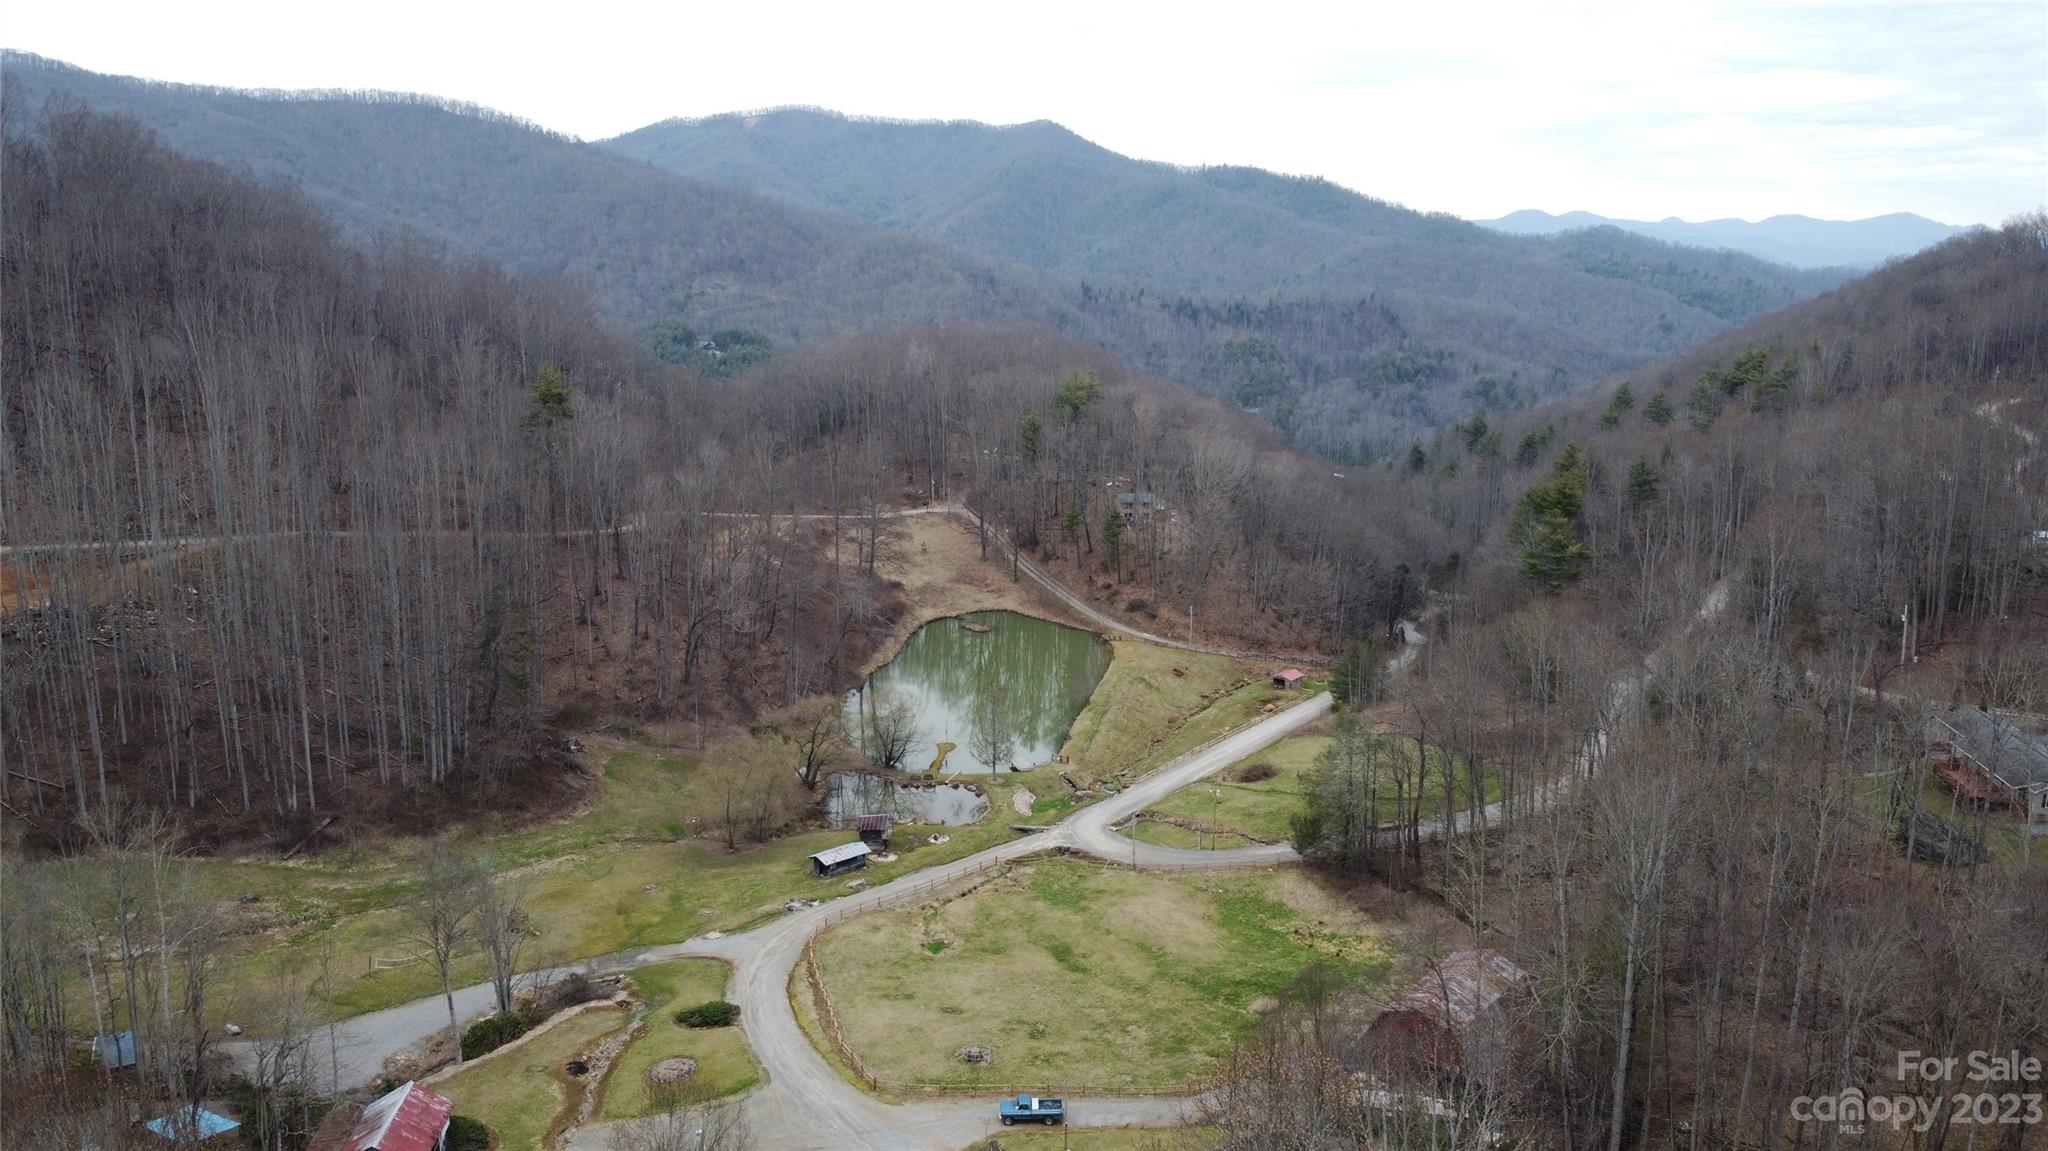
(1800, 241)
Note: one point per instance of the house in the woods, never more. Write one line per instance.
(1138, 507)
(192, 1126)
(846, 857)
(408, 1118)
(1456, 1017)
(1288, 678)
(874, 829)
(1987, 759)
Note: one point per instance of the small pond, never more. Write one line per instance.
(856, 793)
(959, 679)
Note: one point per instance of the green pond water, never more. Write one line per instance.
(1024, 676)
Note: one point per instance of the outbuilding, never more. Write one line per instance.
(874, 829)
(846, 857)
(1288, 678)
(116, 1050)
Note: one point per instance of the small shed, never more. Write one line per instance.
(846, 857)
(1456, 1016)
(874, 829)
(116, 1050)
(192, 1124)
(1288, 678)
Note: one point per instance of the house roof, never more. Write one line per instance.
(872, 822)
(192, 1120)
(1290, 674)
(2015, 758)
(410, 1118)
(841, 854)
(1465, 984)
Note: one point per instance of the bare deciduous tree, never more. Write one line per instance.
(440, 917)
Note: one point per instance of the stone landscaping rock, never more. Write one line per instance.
(671, 1071)
(974, 1053)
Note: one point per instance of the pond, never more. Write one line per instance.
(971, 690)
(856, 793)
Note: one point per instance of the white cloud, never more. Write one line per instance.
(1631, 110)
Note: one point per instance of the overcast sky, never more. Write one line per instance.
(1637, 110)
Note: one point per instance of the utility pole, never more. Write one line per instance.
(1215, 811)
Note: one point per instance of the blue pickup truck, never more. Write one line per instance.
(1032, 1109)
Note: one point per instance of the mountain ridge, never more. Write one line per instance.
(1788, 237)
(1354, 325)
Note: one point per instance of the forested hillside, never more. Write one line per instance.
(1421, 316)
(290, 524)
(1704, 620)
(1354, 326)
(1037, 194)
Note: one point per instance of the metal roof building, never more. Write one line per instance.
(845, 857)
(409, 1118)
(1985, 757)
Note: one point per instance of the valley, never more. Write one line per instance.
(799, 630)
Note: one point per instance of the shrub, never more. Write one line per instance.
(570, 990)
(492, 1032)
(717, 1013)
(466, 1134)
(1251, 773)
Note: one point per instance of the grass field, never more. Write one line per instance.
(519, 1093)
(1143, 714)
(1075, 974)
(725, 1065)
(1223, 812)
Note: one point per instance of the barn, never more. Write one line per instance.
(1288, 678)
(1456, 1016)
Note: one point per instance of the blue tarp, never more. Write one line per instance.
(191, 1121)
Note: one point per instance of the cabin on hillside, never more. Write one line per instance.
(1138, 507)
(1457, 1016)
(1986, 759)
(1289, 678)
(846, 857)
(874, 829)
(407, 1118)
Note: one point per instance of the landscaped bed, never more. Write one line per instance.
(724, 1065)
(521, 1093)
(1076, 975)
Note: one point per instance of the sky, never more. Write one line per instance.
(1641, 110)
